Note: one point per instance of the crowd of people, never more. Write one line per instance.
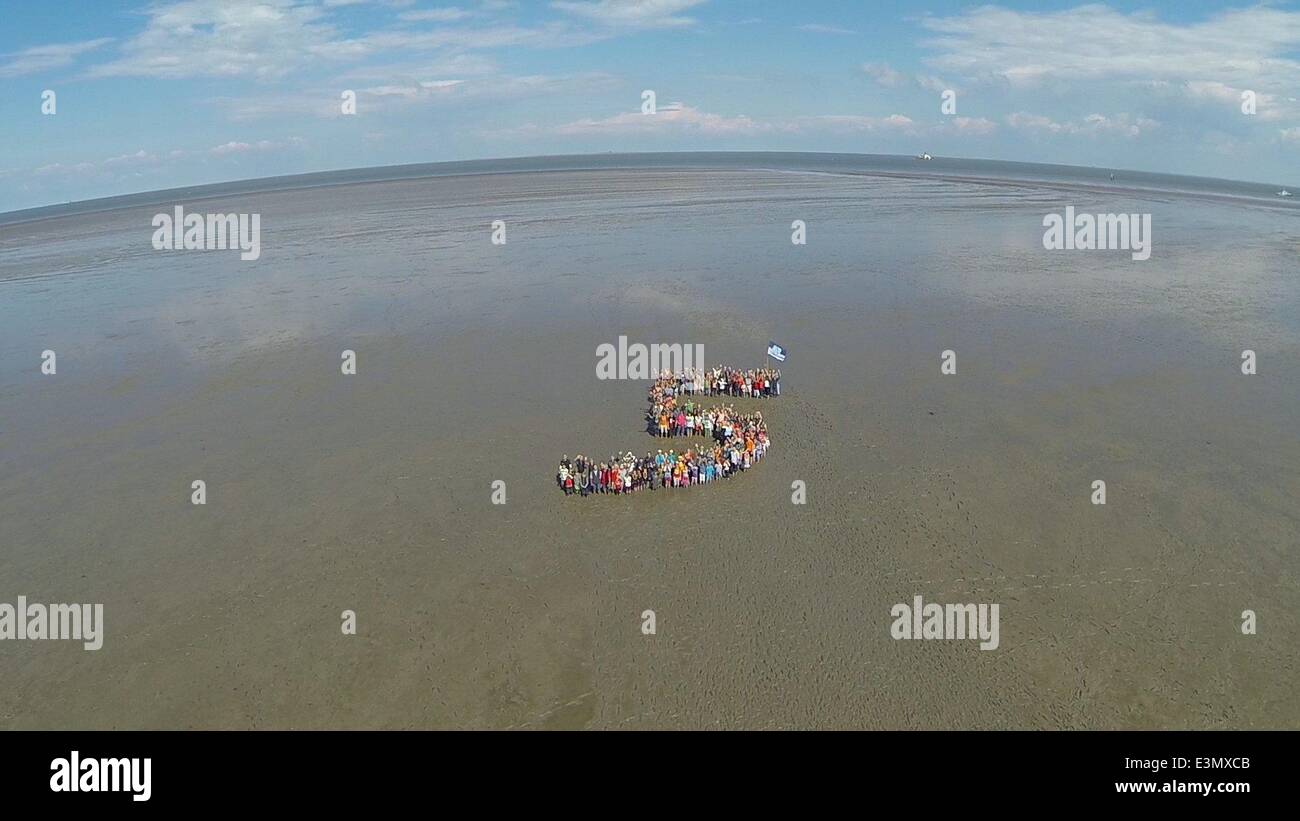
(723, 381)
(728, 441)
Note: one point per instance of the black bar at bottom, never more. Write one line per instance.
(335, 769)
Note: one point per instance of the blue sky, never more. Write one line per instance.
(163, 94)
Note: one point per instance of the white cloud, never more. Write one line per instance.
(224, 38)
(1123, 125)
(420, 89)
(447, 14)
(261, 146)
(1268, 107)
(388, 88)
(883, 74)
(109, 167)
(1246, 48)
(496, 36)
(122, 166)
(65, 168)
(1033, 122)
(677, 118)
(130, 159)
(670, 117)
(322, 105)
(819, 28)
(854, 122)
(456, 64)
(271, 39)
(48, 57)
(975, 126)
(630, 13)
(1212, 90)
(931, 83)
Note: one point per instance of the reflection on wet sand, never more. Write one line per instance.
(372, 492)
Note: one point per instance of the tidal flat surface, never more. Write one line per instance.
(476, 362)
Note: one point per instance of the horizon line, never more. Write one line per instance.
(204, 191)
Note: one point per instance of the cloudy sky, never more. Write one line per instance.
(163, 94)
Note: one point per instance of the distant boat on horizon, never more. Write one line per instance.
(924, 156)
(1284, 193)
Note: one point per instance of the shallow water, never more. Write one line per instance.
(477, 362)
